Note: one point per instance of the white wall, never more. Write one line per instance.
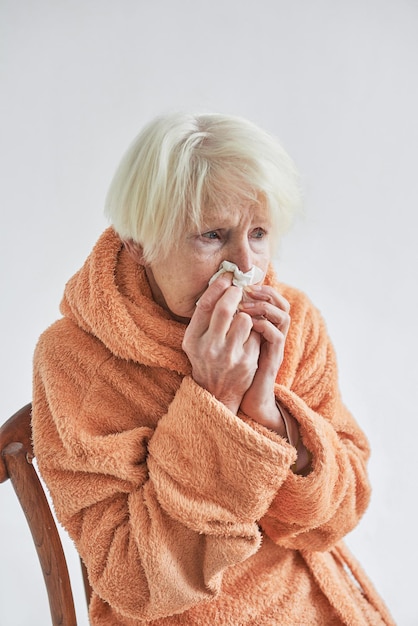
(337, 82)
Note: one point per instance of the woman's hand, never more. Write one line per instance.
(223, 344)
(270, 315)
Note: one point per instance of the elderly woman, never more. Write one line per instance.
(186, 412)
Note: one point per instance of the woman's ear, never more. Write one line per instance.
(135, 250)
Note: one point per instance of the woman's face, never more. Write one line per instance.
(239, 233)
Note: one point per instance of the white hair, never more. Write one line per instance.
(181, 163)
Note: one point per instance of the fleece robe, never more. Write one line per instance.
(183, 512)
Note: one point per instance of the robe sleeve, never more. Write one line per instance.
(157, 510)
(313, 512)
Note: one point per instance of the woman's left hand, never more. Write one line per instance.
(270, 315)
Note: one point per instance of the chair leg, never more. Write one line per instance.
(48, 544)
(87, 588)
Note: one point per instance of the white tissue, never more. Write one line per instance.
(240, 279)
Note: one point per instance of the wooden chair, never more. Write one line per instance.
(16, 463)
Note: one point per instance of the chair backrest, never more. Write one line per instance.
(16, 456)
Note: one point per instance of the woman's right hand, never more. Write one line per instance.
(221, 344)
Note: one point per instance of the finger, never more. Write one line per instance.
(225, 311)
(272, 348)
(268, 294)
(268, 331)
(223, 297)
(200, 320)
(265, 310)
(240, 330)
(214, 291)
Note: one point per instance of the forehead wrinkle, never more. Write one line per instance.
(233, 213)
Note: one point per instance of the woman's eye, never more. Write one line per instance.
(212, 234)
(258, 233)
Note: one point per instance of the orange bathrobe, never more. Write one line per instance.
(183, 512)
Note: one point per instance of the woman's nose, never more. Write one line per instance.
(242, 257)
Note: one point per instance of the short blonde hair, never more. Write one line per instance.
(181, 163)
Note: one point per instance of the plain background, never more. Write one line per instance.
(336, 82)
